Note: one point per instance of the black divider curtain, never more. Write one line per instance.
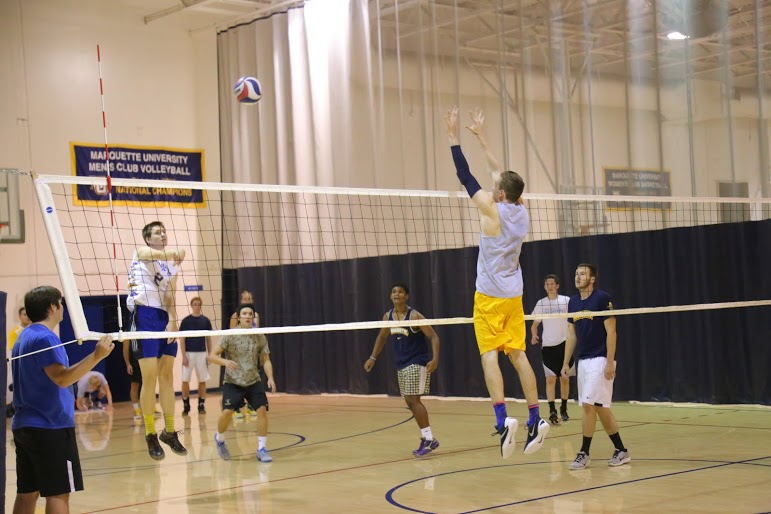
(718, 356)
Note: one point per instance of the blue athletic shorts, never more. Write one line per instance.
(150, 319)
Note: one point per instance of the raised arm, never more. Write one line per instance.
(477, 128)
(65, 377)
(490, 220)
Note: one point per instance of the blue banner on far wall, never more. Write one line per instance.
(632, 182)
(138, 162)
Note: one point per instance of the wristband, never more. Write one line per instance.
(371, 358)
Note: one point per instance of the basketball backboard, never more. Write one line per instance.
(11, 216)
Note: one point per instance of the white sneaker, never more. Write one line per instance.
(582, 460)
(619, 458)
(506, 432)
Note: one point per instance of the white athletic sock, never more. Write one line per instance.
(220, 437)
(426, 433)
(261, 441)
(136, 406)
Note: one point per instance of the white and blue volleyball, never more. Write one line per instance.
(248, 90)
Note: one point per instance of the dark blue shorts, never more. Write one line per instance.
(150, 319)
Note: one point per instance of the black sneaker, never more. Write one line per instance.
(201, 409)
(553, 418)
(536, 433)
(154, 447)
(564, 414)
(186, 409)
(173, 441)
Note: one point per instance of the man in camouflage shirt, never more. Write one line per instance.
(246, 353)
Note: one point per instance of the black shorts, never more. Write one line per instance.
(234, 397)
(553, 357)
(47, 461)
(136, 372)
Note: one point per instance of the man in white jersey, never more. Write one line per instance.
(555, 332)
(499, 318)
(151, 282)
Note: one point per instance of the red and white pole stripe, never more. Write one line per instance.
(113, 223)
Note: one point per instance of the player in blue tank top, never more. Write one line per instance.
(593, 337)
(414, 362)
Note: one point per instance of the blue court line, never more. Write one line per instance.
(719, 464)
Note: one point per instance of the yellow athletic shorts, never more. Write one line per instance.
(499, 323)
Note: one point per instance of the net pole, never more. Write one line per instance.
(113, 224)
(62, 259)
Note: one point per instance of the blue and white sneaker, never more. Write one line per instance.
(536, 433)
(507, 436)
(222, 449)
(264, 456)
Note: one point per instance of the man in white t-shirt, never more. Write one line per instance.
(555, 333)
(92, 390)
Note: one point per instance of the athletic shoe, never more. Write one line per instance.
(564, 414)
(264, 456)
(186, 409)
(251, 411)
(581, 462)
(137, 415)
(553, 419)
(222, 449)
(535, 436)
(201, 409)
(426, 447)
(154, 447)
(619, 457)
(238, 415)
(507, 436)
(172, 439)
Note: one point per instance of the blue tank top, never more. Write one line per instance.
(409, 344)
(498, 271)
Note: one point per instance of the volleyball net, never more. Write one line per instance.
(330, 242)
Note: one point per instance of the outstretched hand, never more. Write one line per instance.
(477, 126)
(451, 119)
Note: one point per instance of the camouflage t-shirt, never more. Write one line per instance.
(246, 351)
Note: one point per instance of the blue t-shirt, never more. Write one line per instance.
(38, 401)
(195, 344)
(409, 344)
(591, 337)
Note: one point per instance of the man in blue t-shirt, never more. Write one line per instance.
(414, 362)
(195, 356)
(47, 462)
(593, 337)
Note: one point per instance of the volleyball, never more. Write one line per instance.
(248, 90)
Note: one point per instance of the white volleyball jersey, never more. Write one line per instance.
(555, 331)
(148, 282)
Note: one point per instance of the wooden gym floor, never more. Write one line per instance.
(353, 454)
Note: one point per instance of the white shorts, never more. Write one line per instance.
(593, 387)
(197, 362)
